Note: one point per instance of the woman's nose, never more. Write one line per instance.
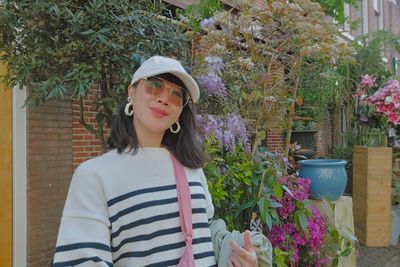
(164, 97)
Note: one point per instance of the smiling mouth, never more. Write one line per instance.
(158, 112)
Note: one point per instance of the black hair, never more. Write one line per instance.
(184, 145)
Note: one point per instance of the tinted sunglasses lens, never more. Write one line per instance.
(154, 87)
(179, 97)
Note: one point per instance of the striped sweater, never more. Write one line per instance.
(122, 210)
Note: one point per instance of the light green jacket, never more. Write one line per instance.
(222, 249)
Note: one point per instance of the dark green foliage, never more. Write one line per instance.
(369, 56)
(201, 10)
(57, 48)
(335, 8)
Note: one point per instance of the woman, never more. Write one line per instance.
(123, 208)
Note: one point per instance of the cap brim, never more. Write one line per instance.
(187, 80)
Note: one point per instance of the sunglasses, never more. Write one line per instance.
(177, 95)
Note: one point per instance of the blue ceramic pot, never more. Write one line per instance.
(328, 177)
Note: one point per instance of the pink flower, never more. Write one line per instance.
(287, 235)
(367, 81)
(393, 118)
(386, 100)
(359, 92)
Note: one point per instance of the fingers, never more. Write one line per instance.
(247, 242)
(243, 257)
(236, 261)
(241, 252)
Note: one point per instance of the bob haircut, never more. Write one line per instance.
(184, 145)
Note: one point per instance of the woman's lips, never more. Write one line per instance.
(158, 112)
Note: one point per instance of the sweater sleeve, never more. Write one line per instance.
(209, 204)
(84, 234)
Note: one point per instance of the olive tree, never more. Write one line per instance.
(62, 48)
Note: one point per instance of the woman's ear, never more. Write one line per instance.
(131, 91)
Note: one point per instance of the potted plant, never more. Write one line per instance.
(376, 108)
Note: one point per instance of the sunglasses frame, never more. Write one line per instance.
(188, 99)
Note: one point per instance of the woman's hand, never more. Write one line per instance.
(243, 257)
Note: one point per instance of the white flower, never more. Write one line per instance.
(269, 99)
(388, 100)
(363, 97)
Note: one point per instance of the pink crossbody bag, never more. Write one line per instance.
(185, 212)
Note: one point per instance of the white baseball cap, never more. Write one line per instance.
(159, 65)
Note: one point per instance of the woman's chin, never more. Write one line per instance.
(157, 129)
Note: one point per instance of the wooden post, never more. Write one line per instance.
(5, 173)
(372, 179)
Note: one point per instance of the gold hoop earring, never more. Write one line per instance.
(178, 127)
(128, 110)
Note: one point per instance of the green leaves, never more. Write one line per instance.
(280, 257)
(61, 47)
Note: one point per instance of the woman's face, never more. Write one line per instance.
(153, 112)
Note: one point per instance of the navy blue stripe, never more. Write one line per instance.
(79, 261)
(198, 210)
(142, 206)
(198, 196)
(83, 245)
(115, 200)
(140, 254)
(147, 237)
(139, 192)
(176, 261)
(151, 203)
(155, 234)
(201, 240)
(204, 255)
(144, 221)
(164, 263)
(200, 225)
(152, 219)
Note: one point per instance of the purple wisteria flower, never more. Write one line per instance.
(236, 125)
(214, 63)
(229, 132)
(214, 125)
(213, 84)
(207, 23)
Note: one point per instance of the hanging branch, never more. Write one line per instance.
(291, 110)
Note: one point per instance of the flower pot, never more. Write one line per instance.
(394, 239)
(328, 177)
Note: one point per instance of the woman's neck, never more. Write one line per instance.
(148, 138)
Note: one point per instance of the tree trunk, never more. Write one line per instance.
(291, 110)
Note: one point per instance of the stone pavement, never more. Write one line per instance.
(379, 257)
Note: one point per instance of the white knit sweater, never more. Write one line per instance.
(122, 210)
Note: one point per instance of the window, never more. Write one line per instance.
(359, 18)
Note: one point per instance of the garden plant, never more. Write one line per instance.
(71, 48)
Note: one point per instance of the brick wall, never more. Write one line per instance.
(275, 141)
(323, 138)
(57, 144)
(49, 172)
(84, 144)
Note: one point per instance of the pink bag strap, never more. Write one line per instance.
(185, 212)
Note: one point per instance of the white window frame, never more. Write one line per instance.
(19, 179)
